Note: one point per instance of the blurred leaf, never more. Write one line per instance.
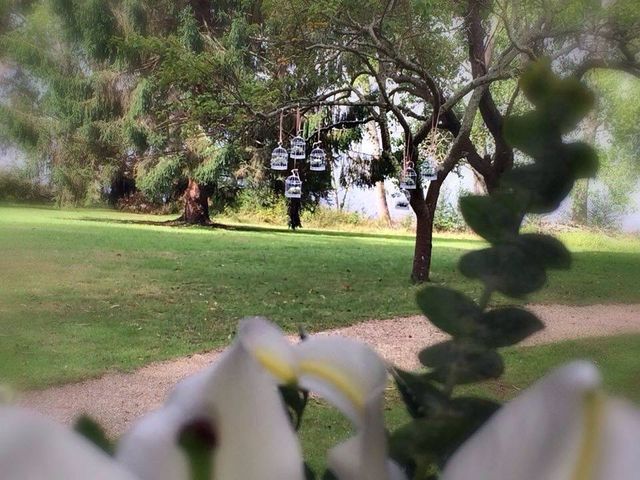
(449, 310)
(537, 80)
(562, 101)
(419, 394)
(546, 185)
(434, 440)
(582, 159)
(533, 134)
(569, 103)
(296, 401)
(505, 268)
(546, 250)
(508, 326)
(459, 363)
(495, 218)
(92, 431)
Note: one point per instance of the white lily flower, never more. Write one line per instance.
(33, 447)
(345, 372)
(238, 402)
(562, 428)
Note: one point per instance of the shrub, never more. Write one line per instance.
(17, 187)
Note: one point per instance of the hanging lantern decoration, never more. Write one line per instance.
(317, 159)
(429, 169)
(298, 150)
(279, 156)
(409, 178)
(293, 185)
(241, 181)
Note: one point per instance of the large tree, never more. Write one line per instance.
(448, 68)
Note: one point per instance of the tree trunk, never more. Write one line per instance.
(294, 213)
(196, 206)
(425, 210)
(383, 207)
(580, 202)
(580, 194)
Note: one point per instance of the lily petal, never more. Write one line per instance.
(351, 376)
(255, 440)
(266, 342)
(538, 436)
(34, 447)
(619, 456)
(345, 372)
(364, 456)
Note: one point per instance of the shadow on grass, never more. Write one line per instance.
(268, 229)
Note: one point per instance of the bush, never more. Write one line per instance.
(16, 187)
(138, 203)
(258, 205)
(448, 218)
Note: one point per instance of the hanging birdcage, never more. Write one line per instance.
(409, 178)
(293, 185)
(298, 150)
(430, 169)
(279, 158)
(317, 159)
(402, 202)
(241, 181)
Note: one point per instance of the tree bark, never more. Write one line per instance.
(196, 205)
(425, 214)
(580, 202)
(580, 194)
(383, 206)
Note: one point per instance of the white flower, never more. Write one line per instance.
(562, 428)
(252, 437)
(235, 408)
(33, 447)
(345, 372)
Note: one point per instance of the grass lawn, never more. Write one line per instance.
(84, 291)
(616, 357)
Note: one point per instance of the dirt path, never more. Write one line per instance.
(116, 399)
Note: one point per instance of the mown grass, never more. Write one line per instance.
(85, 291)
(616, 357)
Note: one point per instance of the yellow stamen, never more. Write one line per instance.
(593, 415)
(276, 365)
(336, 378)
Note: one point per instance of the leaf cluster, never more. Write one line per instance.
(515, 264)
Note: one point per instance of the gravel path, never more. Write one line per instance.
(116, 399)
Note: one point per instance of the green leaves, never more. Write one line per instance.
(92, 431)
(495, 218)
(461, 362)
(515, 264)
(507, 326)
(449, 310)
(563, 101)
(420, 396)
(545, 250)
(505, 268)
